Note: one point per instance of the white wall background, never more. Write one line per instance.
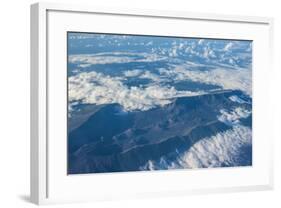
(14, 104)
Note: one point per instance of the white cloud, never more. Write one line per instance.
(228, 46)
(84, 65)
(142, 75)
(70, 107)
(149, 43)
(110, 58)
(92, 59)
(176, 49)
(97, 88)
(173, 52)
(201, 41)
(151, 76)
(231, 61)
(132, 73)
(181, 45)
(215, 151)
(232, 117)
(238, 79)
(208, 53)
(220, 149)
(235, 98)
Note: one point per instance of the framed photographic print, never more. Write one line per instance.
(132, 103)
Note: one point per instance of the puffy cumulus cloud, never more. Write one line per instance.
(178, 48)
(208, 53)
(173, 52)
(228, 46)
(97, 88)
(115, 57)
(232, 117)
(238, 79)
(215, 151)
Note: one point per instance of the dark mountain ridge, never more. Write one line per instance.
(111, 140)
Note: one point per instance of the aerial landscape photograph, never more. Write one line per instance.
(147, 103)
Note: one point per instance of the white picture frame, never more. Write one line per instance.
(49, 180)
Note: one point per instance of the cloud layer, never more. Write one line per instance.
(240, 79)
(113, 58)
(97, 88)
(182, 59)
